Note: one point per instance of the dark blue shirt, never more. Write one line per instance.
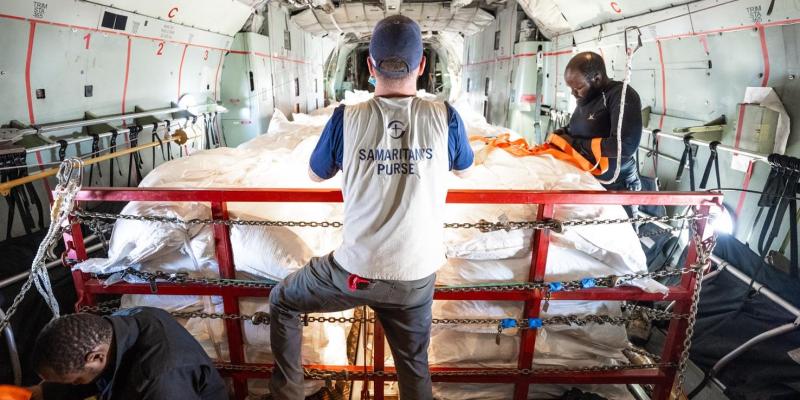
(326, 160)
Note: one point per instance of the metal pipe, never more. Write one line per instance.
(752, 342)
(88, 138)
(757, 286)
(13, 354)
(24, 275)
(102, 120)
(763, 336)
(722, 147)
(5, 188)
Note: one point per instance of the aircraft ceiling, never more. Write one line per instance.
(362, 17)
(464, 16)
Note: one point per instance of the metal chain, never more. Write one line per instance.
(704, 249)
(664, 219)
(486, 226)
(325, 374)
(643, 352)
(659, 232)
(183, 278)
(70, 175)
(84, 216)
(651, 314)
(571, 319)
(604, 281)
(257, 318)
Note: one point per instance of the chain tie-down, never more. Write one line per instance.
(703, 251)
(70, 174)
(610, 281)
(84, 216)
(324, 374)
(262, 318)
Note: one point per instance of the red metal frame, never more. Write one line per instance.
(87, 288)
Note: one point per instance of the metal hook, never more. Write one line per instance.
(638, 39)
(71, 170)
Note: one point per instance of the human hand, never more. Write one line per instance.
(36, 392)
(558, 132)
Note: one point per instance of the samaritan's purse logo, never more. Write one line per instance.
(396, 129)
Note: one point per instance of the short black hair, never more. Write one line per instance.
(64, 342)
(588, 63)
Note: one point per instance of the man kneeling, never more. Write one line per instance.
(139, 353)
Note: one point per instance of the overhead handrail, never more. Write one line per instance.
(720, 147)
(6, 187)
(58, 126)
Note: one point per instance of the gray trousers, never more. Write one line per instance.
(402, 307)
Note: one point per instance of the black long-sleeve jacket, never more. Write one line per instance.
(592, 129)
(156, 358)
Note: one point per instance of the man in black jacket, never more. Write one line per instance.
(139, 353)
(592, 130)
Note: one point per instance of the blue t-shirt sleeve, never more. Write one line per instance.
(458, 148)
(326, 160)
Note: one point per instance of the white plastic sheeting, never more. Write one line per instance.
(279, 159)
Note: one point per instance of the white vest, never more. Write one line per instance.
(394, 168)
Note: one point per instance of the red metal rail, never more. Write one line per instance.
(87, 288)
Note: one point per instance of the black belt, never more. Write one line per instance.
(688, 154)
(135, 159)
(779, 194)
(713, 160)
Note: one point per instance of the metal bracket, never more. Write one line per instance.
(10, 135)
(95, 128)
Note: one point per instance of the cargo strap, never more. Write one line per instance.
(688, 155)
(713, 160)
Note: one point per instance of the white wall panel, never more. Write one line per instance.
(226, 16)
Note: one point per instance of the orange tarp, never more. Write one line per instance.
(557, 147)
(14, 393)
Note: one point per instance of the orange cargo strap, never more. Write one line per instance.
(557, 147)
(8, 392)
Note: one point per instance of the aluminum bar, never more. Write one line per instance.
(721, 147)
(102, 120)
(16, 278)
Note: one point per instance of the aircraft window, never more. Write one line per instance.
(316, 86)
(114, 21)
(297, 86)
(469, 83)
(287, 40)
(252, 82)
(497, 40)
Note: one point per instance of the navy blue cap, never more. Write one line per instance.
(396, 38)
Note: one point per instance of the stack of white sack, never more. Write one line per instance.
(279, 159)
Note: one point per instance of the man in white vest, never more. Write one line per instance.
(395, 152)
